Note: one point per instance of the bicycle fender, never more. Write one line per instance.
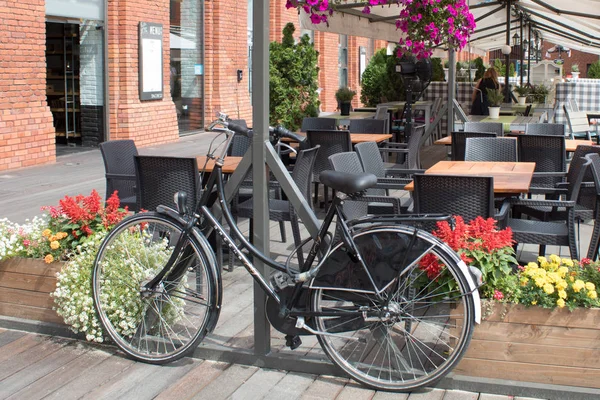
(211, 261)
(473, 289)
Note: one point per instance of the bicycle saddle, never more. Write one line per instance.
(347, 183)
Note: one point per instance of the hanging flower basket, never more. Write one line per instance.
(425, 23)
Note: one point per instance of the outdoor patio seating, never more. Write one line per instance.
(407, 154)
(491, 149)
(330, 142)
(159, 178)
(311, 123)
(545, 129)
(459, 141)
(375, 202)
(547, 152)
(491, 127)
(593, 162)
(367, 125)
(119, 170)
(579, 126)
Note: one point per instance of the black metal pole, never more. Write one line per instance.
(529, 56)
(507, 57)
(521, 51)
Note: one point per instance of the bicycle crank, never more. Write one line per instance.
(301, 324)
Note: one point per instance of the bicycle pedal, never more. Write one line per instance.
(293, 342)
(281, 281)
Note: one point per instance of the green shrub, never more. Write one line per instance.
(480, 68)
(293, 83)
(437, 70)
(594, 70)
(380, 80)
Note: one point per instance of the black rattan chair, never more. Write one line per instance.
(119, 169)
(240, 144)
(547, 152)
(375, 201)
(312, 123)
(459, 141)
(491, 149)
(330, 142)
(367, 125)
(545, 129)
(490, 127)
(159, 178)
(407, 154)
(467, 196)
(282, 210)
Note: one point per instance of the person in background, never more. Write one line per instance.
(479, 101)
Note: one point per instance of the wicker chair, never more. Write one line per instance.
(240, 144)
(367, 125)
(579, 126)
(593, 162)
(159, 178)
(119, 166)
(282, 210)
(375, 201)
(467, 196)
(390, 177)
(382, 114)
(547, 152)
(491, 127)
(459, 141)
(407, 153)
(331, 142)
(545, 129)
(312, 123)
(491, 149)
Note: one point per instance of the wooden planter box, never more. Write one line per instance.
(535, 345)
(25, 287)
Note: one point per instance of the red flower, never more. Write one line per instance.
(498, 295)
(586, 261)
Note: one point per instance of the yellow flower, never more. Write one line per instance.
(592, 294)
(61, 235)
(54, 245)
(542, 260)
(568, 262)
(562, 284)
(578, 285)
(48, 259)
(553, 277)
(52, 238)
(534, 302)
(532, 265)
(548, 288)
(562, 294)
(539, 282)
(524, 281)
(560, 303)
(572, 279)
(562, 271)
(590, 286)
(46, 232)
(554, 259)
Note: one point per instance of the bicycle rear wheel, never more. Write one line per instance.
(163, 324)
(402, 322)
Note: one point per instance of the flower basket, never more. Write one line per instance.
(534, 344)
(25, 286)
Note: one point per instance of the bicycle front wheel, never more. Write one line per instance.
(401, 321)
(165, 323)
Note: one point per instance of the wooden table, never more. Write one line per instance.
(355, 137)
(353, 115)
(509, 177)
(229, 165)
(570, 144)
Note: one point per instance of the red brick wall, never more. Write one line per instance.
(279, 17)
(147, 122)
(226, 51)
(577, 57)
(327, 45)
(26, 130)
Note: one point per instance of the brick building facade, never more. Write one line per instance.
(28, 120)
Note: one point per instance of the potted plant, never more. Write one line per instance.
(446, 68)
(522, 92)
(539, 93)
(495, 98)
(344, 96)
(575, 71)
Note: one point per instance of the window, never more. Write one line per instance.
(343, 60)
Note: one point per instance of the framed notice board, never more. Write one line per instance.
(151, 61)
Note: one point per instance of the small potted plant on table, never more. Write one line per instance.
(522, 92)
(575, 71)
(495, 98)
(344, 96)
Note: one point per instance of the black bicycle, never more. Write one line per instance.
(390, 304)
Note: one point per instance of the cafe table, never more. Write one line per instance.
(355, 138)
(509, 177)
(229, 164)
(570, 144)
